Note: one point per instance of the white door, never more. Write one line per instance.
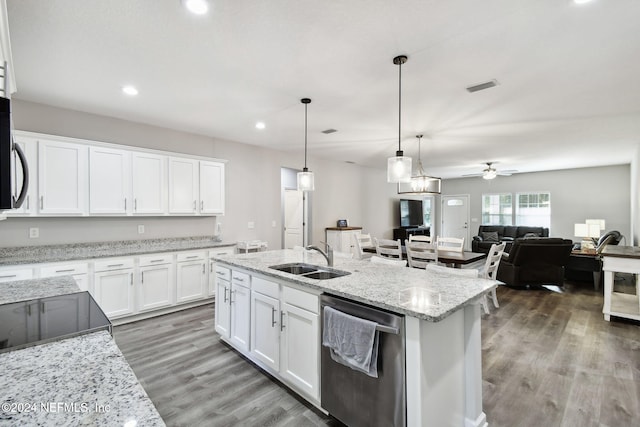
(114, 292)
(455, 218)
(240, 315)
(183, 186)
(156, 284)
(265, 329)
(223, 314)
(299, 361)
(293, 218)
(62, 178)
(149, 186)
(191, 280)
(211, 188)
(109, 172)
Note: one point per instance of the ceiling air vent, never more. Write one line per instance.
(328, 131)
(483, 86)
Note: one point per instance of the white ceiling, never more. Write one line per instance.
(568, 95)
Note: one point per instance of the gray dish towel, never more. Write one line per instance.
(351, 340)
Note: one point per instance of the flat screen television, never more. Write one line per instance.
(411, 213)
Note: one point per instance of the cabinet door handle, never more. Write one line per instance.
(281, 321)
(125, 203)
(226, 298)
(135, 204)
(29, 310)
(142, 278)
(28, 202)
(211, 267)
(41, 202)
(202, 205)
(231, 301)
(204, 269)
(273, 317)
(194, 205)
(42, 307)
(131, 279)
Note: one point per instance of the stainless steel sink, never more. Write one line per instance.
(309, 270)
(296, 268)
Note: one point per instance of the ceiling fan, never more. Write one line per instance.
(490, 172)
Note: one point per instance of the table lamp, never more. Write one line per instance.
(588, 232)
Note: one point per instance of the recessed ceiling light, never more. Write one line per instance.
(130, 90)
(260, 125)
(198, 7)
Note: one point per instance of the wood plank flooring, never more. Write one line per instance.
(549, 359)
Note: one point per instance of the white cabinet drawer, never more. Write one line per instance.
(228, 250)
(113, 264)
(300, 299)
(63, 269)
(265, 287)
(157, 259)
(9, 275)
(223, 273)
(240, 278)
(191, 256)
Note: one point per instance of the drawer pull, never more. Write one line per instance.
(114, 265)
(156, 260)
(238, 279)
(192, 257)
(9, 276)
(66, 271)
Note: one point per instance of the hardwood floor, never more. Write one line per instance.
(549, 359)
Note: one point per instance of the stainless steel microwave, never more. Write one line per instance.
(10, 153)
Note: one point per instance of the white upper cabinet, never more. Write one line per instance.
(149, 183)
(183, 186)
(211, 188)
(62, 178)
(109, 181)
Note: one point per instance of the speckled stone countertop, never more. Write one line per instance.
(24, 290)
(418, 293)
(56, 253)
(81, 381)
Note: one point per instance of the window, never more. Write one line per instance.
(533, 209)
(497, 209)
(427, 204)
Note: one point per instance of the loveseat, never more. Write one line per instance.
(490, 234)
(535, 261)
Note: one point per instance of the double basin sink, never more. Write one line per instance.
(309, 270)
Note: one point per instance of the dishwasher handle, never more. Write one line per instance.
(387, 329)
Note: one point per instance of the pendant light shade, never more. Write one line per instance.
(305, 178)
(421, 183)
(399, 166)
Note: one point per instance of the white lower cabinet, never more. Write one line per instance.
(284, 330)
(222, 277)
(157, 282)
(228, 250)
(113, 287)
(240, 302)
(191, 277)
(11, 274)
(79, 271)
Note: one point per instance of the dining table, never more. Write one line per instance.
(456, 259)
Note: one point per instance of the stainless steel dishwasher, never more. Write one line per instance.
(355, 398)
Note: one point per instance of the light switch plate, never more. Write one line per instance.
(251, 225)
(141, 229)
(34, 232)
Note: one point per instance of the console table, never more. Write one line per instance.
(403, 233)
(622, 259)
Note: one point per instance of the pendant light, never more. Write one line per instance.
(421, 183)
(399, 166)
(305, 178)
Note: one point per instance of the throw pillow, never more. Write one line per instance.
(528, 235)
(490, 236)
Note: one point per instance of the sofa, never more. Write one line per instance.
(535, 261)
(490, 234)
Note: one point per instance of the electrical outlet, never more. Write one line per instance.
(273, 223)
(251, 225)
(34, 232)
(141, 229)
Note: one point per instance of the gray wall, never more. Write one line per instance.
(576, 194)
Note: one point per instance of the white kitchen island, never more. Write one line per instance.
(442, 326)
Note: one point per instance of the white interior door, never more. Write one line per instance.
(293, 216)
(455, 218)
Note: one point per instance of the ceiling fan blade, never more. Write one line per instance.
(472, 174)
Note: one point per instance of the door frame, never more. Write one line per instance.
(443, 200)
(289, 181)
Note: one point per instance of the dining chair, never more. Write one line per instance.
(388, 261)
(419, 254)
(490, 271)
(388, 248)
(419, 238)
(451, 244)
(363, 241)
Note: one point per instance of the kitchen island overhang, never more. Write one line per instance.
(443, 343)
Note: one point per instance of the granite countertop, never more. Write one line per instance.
(56, 253)
(621, 251)
(418, 293)
(81, 381)
(25, 290)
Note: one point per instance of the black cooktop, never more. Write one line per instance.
(37, 321)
